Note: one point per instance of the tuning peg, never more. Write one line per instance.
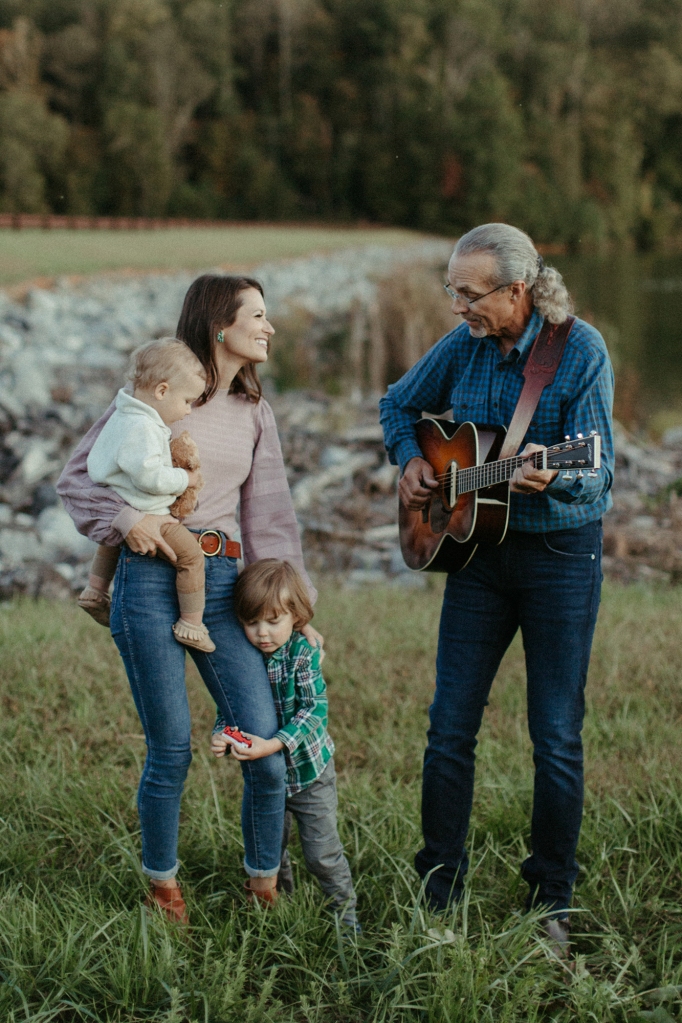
(593, 433)
(579, 436)
(579, 475)
(567, 476)
(592, 475)
(567, 437)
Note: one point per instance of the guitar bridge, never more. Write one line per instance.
(450, 488)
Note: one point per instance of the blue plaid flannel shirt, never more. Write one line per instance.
(471, 377)
(300, 696)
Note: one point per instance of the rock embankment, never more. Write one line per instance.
(63, 355)
(643, 531)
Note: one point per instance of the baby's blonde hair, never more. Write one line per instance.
(161, 361)
(272, 587)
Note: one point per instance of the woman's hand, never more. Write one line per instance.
(259, 748)
(315, 638)
(145, 537)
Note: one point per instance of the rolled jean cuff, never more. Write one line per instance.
(261, 873)
(161, 875)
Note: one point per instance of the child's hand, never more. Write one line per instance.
(192, 477)
(219, 744)
(259, 748)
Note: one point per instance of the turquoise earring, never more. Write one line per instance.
(221, 337)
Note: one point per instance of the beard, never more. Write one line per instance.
(478, 330)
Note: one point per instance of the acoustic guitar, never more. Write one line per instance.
(471, 504)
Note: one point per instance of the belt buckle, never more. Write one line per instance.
(216, 534)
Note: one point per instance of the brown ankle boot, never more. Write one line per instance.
(267, 897)
(170, 902)
(96, 603)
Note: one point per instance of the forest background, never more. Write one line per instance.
(563, 117)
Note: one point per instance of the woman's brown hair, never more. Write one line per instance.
(211, 303)
(272, 587)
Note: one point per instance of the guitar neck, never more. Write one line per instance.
(487, 475)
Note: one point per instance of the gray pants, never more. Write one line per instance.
(315, 813)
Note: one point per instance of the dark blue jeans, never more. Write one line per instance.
(548, 585)
(144, 608)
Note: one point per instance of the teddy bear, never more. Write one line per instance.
(185, 455)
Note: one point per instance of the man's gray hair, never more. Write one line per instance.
(517, 259)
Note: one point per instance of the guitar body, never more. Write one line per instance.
(444, 535)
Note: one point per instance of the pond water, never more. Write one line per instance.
(636, 302)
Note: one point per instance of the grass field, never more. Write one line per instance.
(75, 943)
(29, 254)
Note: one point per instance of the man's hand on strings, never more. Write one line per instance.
(529, 480)
(417, 484)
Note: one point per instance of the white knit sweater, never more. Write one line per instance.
(132, 456)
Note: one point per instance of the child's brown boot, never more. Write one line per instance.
(195, 636)
(170, 902)
(96, 603)
(265, 893)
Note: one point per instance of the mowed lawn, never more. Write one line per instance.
(33, 253)
(76, 943)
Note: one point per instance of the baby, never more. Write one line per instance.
(271, 602)
(132, 456)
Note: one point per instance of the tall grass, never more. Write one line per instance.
(76, 943)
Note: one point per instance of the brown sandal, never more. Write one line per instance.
(96, 603)
(170, 902)
(266, 898)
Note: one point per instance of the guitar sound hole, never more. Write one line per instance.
(440, 516)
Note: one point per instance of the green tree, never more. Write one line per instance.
(565, 117)
(32, 140)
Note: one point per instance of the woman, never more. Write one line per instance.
(224, 322)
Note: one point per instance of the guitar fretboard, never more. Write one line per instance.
(490, 473)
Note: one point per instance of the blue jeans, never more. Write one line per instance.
(144, 607)
(548, 584)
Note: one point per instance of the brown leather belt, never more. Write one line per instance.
(213, 543)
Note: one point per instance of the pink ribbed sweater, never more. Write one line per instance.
(242, 465)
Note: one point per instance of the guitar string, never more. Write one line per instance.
(494, 468)
(496, 471)
(479, 477)
(491, 466)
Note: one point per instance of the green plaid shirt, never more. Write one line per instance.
(300, 696)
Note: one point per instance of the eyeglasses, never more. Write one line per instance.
(456, 297)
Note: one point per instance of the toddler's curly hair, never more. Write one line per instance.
(161, 361)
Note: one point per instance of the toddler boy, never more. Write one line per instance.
(272, 603)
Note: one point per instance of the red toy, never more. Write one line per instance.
(235, 738)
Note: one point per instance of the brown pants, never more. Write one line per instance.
(190, 580)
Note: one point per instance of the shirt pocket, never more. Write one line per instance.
(466, 408)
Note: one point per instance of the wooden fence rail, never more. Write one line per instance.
(51, 221)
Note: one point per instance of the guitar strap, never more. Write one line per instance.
(539, 372)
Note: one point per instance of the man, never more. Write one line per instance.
(545, 576)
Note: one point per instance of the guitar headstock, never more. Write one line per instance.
(579, 454)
